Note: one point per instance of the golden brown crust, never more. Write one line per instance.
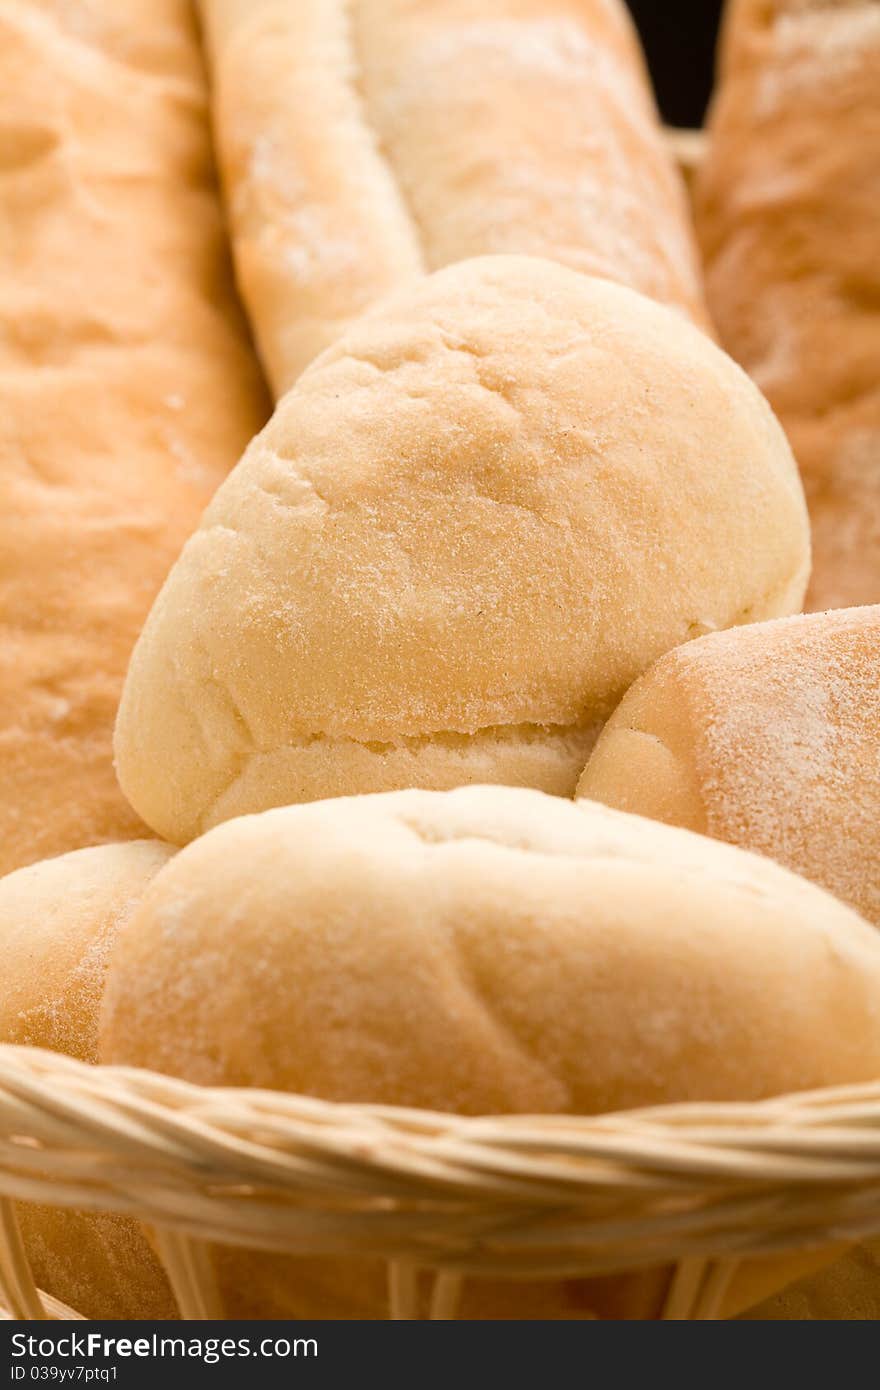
(126, 385)
(364, 142)
(789, 219)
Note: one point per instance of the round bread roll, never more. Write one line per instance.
(464, 533)
(486, 950)
(128, 387)
(768, 737)
(58, 921)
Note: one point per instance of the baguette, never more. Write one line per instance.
(788, 211)
(127, 387)
(363, 144)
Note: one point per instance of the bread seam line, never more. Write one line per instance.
(450, 738)
(405, 742)
(350, 30)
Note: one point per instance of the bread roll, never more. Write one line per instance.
(768, 737)
(363, 144)
(127, 388)
(461, 537)
(58, 921)
(485, 950)
(847, 1291)
(789, 217)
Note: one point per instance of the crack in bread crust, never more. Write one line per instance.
(578, 738)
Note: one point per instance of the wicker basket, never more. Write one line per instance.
(701, 1186)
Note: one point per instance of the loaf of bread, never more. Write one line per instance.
(767, 736)
(788, 210)
(127, 388)
(485, 950)
(463, 534)
(363, 144)
(58, 921)
(847, 1291)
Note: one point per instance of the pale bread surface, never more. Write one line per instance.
(768, 737)
(463, 534)
(788, 212)
(58, 922)
(486, 950)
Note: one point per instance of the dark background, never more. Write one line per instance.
(679, 38)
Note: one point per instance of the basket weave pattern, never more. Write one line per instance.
(701, 1186)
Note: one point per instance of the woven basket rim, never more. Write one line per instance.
(700, 1185)
(546, 1195)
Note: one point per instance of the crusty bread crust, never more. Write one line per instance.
(463, 534)
(364, 142)
(486, 950)
(788, 211)
(127, 388)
